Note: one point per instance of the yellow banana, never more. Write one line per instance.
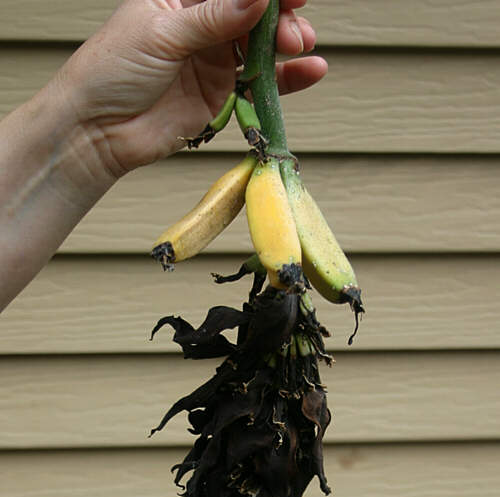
(272, 227)
(214, 212)
(324, 262)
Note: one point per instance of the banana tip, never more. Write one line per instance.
(352, 295)
(165, 255)
(291, 276)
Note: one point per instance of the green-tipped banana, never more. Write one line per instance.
(218, 123)
(245, 113)
(249, 123)
(323, 260)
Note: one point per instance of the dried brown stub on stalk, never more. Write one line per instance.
(261, 418)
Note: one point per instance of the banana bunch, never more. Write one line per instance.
(291, 237)
(290, 233)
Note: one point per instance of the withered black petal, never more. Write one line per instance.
(176, 323)
(243, 271)
(216, 485)
(258, 283)
(190, 461)
(243, 402)
(198, 419)
(261, 418)
(274, 319)
(219, 318)
(245, 441)
(219, 346)
(313, 405)
(315, 409)
(276, 466)
(199, 398)
(243, 328)
(207, 462)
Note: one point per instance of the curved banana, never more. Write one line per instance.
(325, 263)
(249, 123)
(246, 115)
(272, 227)
(214, 212)
(218, 123)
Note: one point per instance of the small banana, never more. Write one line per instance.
(214, 212)
(272, 227)
(246, 115)
(324, 262)
(249, 123)
(218, 123)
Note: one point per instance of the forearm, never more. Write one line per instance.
(51, 174)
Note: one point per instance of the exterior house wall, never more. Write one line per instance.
(400, 145)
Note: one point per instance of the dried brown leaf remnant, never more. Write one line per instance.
(261, 418)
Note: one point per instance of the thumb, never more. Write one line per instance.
(184, 31)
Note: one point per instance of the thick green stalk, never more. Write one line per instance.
(260, 73)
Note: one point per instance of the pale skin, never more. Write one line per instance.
(156, 70)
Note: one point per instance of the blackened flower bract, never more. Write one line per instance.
(261, 418)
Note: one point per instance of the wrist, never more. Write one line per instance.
(50, 176)
(53, 146)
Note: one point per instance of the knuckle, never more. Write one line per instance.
(209, 19)
(167, 38)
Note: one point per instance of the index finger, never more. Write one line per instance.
(190, 3)
(284, 4)
(292, 4)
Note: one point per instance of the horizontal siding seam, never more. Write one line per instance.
(340, 354)
(423, 442)
(355, 351)
(373, 48)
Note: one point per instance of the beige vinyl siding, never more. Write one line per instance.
(114, 400)
(341, 22)
(378, 100)
(400, 145)
(109, 304)
(399, 203)
(385, 470)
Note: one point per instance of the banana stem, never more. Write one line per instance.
(260, 74)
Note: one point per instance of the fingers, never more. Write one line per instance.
(198, 25)
(295, 34)
(292, 4)
(298, 74)
(284, 4)
(181, 32)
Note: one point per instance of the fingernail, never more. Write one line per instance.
(244, 4)
(296, 29)
(308, 34)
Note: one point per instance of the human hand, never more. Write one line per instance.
(160, 69)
